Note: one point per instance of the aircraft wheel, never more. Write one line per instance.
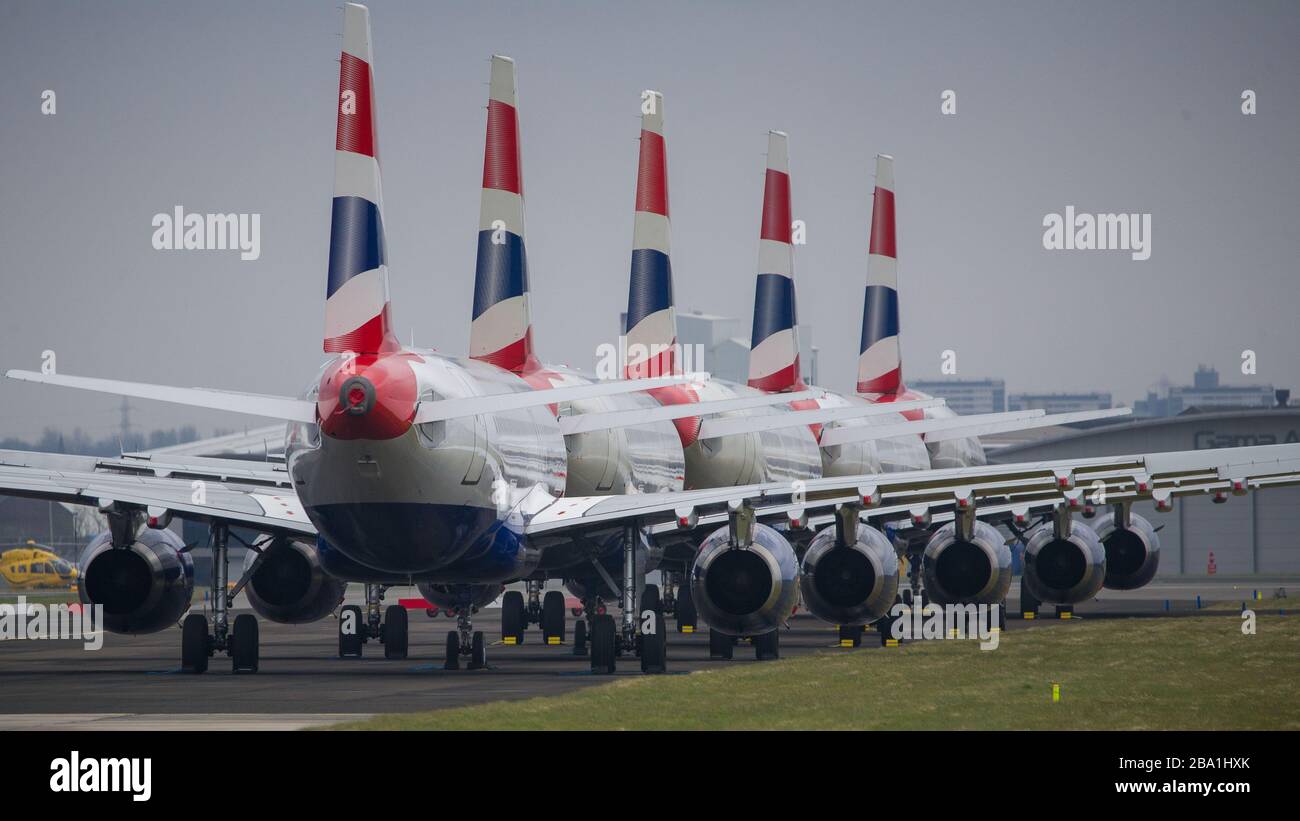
(721, 646)
(851, 633)
(194, 644)
(244, 644)
(604, 641)
(767, 646)
(650, 598)
(477, 651)
(514, 619)
(350, 636)
(687, 620)
(654, 649)
(580, 638)
(453, 651)
(553, 618)
(396, 632)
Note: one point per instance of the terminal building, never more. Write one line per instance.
(1059, 402)
(1255, 533)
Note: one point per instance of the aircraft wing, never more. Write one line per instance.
(302, 410)
(922, 496)
(247, 494)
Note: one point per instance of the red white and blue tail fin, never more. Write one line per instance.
(651, 318)
(774, 348)
(501, 330)
(356, 297)
(880, 366)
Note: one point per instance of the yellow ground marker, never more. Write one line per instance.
(891, 642)
(552, 639)
(688, 628)
(846, 642)
(1067, 615)
(1029, 614)
(508, 640)
(1056, 693)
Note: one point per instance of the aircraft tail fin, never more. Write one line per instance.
(651, 327)
(356, 298)
(501, 329)
(774, 348)
(880, 364)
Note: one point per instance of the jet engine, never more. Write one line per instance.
(853, 583)
(1132, 551)
(1064, 571)
(143, 588)
(289, 585)
(453, 596)
(745, 590)
(960, 571)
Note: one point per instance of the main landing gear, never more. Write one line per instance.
(392, 630)
(546, 611)
(240, 641)
(642, 633)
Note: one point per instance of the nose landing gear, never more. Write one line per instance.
(392, 629)
(465, 641)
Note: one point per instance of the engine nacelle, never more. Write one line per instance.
(967, 572)
(454, 596)
(1132, 553)
(745, 591)
(1064, 571)
(849, 584)
(143, 588)
(290, 586)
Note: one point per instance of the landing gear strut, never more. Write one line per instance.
(638, 631)
(465, 641)
(242, 644)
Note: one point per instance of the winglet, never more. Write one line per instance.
(356, 295)
(501, 329)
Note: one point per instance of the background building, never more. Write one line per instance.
(1059, 402)
(1204, 392)
(966, 396)
(724, 345)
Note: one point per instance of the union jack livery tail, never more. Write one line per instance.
(774, 349)
(880, 368)
(651, 319)
(356, 297)
(501, 332)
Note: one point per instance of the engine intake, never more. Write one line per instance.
(1064, 571)
(977, 571)
(290, 586)
(1132, 553)
(745, 590)
(143, 588)
(849, 583)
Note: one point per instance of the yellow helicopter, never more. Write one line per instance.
(35, 567)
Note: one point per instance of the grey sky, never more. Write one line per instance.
(228, 107)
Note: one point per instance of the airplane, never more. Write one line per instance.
(410, 465)
(36, 567)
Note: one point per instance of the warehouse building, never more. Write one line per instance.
(1256, 533)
